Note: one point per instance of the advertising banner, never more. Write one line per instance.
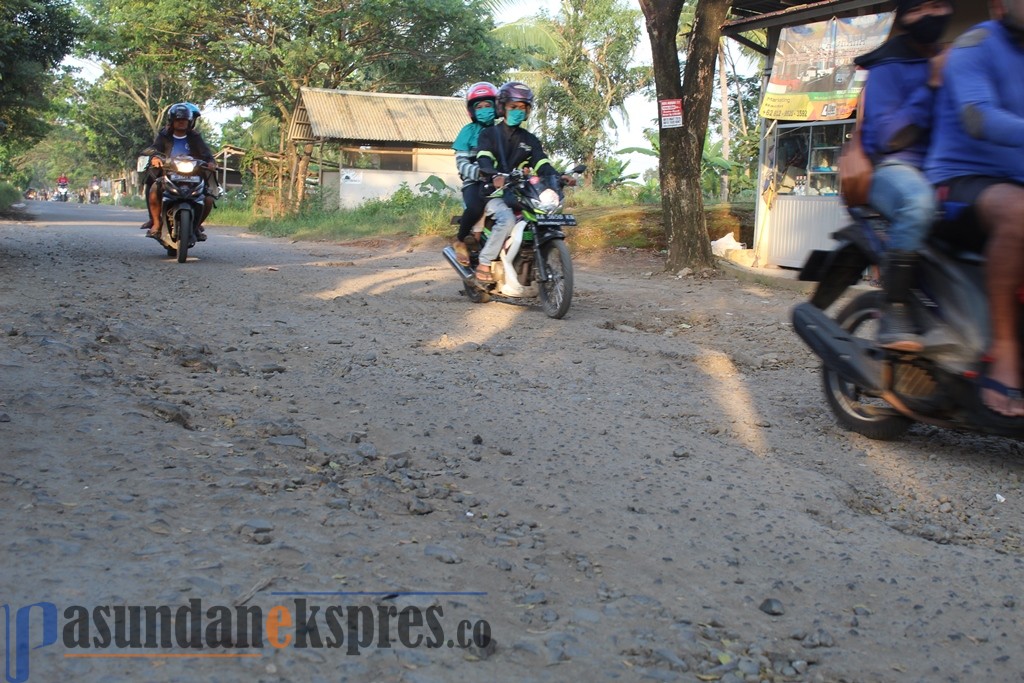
(814, 77)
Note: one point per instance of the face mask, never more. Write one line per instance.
(515, 117)
(485, 116)
(927, 30)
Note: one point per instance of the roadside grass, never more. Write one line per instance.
(605, 220)
(8, 195)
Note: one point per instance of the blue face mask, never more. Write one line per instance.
(485, 116)
(515, 117)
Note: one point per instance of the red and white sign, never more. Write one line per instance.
(671, 113)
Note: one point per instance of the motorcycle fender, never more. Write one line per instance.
(835, 271)
(549, 234)
(845, 354)
(510, 285)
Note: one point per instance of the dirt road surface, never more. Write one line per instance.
(649, 489)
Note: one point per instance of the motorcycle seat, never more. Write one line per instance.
(957, 234)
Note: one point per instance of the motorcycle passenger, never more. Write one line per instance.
(504, 147)
(905, 73)
(481, 99)
(976, 159)
(178, 137)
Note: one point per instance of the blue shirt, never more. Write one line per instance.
(979, 119)
(897, 118)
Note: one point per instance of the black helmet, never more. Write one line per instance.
(179, 111)
(514, 91)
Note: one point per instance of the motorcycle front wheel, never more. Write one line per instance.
(184, 235)
(855, 409)
(556, 291)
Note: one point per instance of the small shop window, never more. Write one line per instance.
(807, 158)
(381, 158)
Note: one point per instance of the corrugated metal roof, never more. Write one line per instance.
(377, 117)
(748, 15)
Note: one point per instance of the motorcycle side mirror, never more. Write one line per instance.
(579, 169)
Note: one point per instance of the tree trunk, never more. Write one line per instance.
(723, 84)
(681, 148)
(305, 156)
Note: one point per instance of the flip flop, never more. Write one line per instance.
(1012, 393)
(483, 275)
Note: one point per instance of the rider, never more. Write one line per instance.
(481, 99)
(178, 137)
(504, 147)
(976, 160)
(62, 180)
(905, 72)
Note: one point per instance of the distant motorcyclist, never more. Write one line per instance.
(178, 137)
(62, 180)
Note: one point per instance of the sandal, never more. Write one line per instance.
(483, 273)
(147, 225)
(461, 252)
(1014, 395)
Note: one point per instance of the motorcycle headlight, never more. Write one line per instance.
(184, 166)
(549, 201)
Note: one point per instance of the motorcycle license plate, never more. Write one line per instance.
(184, 178)
(557, 219)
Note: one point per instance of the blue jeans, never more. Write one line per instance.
(902, 194)
(504, 221)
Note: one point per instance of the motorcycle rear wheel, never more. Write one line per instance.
(855, 410)
(184, 235)
(556, 292)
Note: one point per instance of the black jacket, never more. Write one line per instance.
(503, 148)
(164, 143)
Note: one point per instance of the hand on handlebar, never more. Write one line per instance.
(156, 162)
(568, 180)
(499, 181)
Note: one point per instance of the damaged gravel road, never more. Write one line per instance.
(649, 489)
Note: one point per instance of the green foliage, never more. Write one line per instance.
(9, 194)
(587, 76)
(35, 35)
(434, 185)
(405, 213)
(609, 173)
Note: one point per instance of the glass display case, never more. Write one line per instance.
(800, 189)
(806, 159)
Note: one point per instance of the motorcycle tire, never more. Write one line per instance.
(184, 235)
(556, 292)
(875, 420)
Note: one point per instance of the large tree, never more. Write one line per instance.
(35, 36)
(682, 148)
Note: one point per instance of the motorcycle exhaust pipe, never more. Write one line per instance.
(465, 273)
(840, 351)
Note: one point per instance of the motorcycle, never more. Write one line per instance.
(183, 190)
(94, 193)
(534, 262)
(880, 393)
(61, 195)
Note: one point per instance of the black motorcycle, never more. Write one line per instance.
(534, 261)
(94, 193)
(183, 192)
(878, 392)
